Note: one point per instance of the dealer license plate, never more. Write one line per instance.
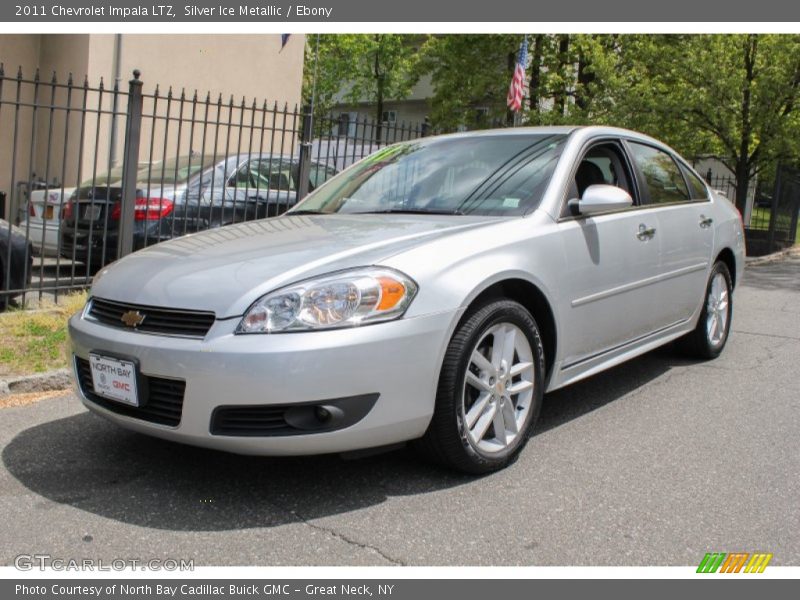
(114, 379)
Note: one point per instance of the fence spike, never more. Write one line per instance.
(54, 79)
(19, 72)
(169, 93)
(230, 102)
(2, 70)
(194, 97)
(275, 106)
(208, 98)
(69, 79)
(243, 102)
(183, 94)
(155, 93)
(264, 107)
(86, 82)
(136, 74)
(102, 85)
(219, 99)
(36, 75)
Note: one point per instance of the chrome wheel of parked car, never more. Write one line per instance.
(498, 387)
(717, 310)
(490, 389)
(709, 337)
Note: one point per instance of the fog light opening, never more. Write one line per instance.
(322, 414)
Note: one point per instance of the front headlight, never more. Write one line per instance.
(344, 299)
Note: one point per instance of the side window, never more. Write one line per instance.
(243, 178)
(697, 189)
(662, 177)
(603, 163)
(275, 175)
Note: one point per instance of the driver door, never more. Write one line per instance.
(610, 262)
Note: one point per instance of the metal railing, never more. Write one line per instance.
(773, 217)
(92, 173)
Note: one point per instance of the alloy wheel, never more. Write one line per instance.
(717, 312)
(498, 388)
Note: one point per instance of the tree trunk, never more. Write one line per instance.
(742, 184)
(379, 111)
(534, 91)
(560, 98)
(743, 160)
(585, 78)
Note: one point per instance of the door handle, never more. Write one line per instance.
(705, 222)
(645, 233)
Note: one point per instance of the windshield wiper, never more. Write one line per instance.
(408, 211)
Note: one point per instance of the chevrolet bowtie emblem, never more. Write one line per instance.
(132, 318)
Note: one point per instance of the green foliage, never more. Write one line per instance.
(356, 68)
(469, 72)
(731, 96)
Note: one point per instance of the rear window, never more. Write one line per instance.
(663, 178)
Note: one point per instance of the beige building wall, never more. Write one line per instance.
(252, 67)
(16, 51)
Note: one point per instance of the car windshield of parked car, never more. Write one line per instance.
(478, 175)
(176, 170)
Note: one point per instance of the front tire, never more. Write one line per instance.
(713, 327)
(490, 390)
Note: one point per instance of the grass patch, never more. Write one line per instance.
(36, 341)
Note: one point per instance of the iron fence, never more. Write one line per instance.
(772, 219)
(94, 172)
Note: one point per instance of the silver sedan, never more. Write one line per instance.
(432, 293)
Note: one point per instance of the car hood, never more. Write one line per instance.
(225, 270)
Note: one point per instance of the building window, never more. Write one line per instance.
(389, 116)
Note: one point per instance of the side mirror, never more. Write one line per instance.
(600, 198)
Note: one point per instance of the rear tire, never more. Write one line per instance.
(490, 390)
(713, 327)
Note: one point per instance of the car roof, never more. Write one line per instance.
(588, 130)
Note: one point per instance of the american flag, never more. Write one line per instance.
(517, 86)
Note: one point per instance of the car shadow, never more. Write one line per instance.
(90, 464)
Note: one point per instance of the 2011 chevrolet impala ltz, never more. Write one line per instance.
(432, 292)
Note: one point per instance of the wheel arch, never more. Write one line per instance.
(529, 295)
(727, 256)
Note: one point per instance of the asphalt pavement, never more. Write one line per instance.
(655, 462)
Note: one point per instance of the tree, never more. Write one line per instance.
(361, 68)
(732, 96)
(470, 77)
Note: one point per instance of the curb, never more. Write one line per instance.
(775, 256)
(60, 379)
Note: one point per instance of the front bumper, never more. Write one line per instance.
(398, 360)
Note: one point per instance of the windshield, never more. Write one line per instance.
(481, 175)
(174, 170)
